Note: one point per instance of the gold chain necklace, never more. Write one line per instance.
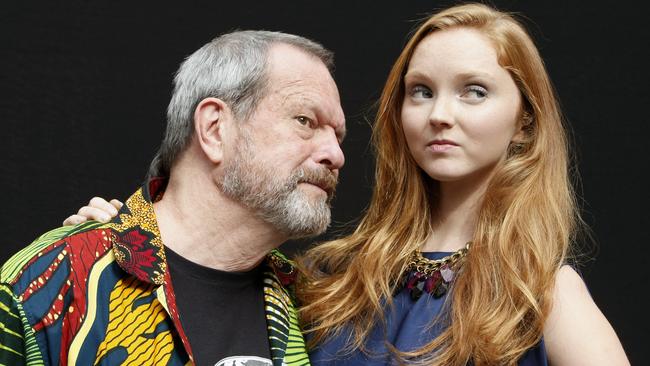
(432, 275)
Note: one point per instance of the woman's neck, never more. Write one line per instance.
(455, 214)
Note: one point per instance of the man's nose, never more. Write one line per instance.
(329, 152)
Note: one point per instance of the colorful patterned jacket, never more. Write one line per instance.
(101, 294)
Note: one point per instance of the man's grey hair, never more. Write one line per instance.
(231, 67)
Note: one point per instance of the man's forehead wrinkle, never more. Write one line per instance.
(290, 88)
(282, 84)
(283, 95)
(296, 98)
(292, 92)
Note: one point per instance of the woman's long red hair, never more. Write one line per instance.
(526, 222)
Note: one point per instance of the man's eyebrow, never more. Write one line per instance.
(307, 101)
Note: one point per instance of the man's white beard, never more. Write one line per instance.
(279, 202)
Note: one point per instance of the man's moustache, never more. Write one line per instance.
(322, 178)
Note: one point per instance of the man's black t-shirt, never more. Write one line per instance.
(222, 313)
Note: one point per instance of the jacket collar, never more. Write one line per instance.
(137, 245)
(139, 250)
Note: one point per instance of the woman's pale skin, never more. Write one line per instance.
(461, 110)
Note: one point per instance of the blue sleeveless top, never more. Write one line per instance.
(408, 328)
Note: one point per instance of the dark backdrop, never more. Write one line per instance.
(85, 85)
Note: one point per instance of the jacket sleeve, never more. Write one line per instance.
(17, 342)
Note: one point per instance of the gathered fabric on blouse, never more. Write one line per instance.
(408, 327)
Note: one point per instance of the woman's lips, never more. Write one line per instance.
(441, 145)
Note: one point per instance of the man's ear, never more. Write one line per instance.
(213, 122)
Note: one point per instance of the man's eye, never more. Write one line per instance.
(305, 121)
(420, 91)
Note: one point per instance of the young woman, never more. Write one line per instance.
(462, 256)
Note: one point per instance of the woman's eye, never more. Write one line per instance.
(420, 91)
(305, 121)
(475, 92)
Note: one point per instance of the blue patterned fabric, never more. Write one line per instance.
(408, 327)
(101, 294)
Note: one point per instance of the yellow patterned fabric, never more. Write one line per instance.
(101, 294)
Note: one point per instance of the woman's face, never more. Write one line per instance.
(460, 106)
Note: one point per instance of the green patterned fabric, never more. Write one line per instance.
(17, 343)
(285, 336)
(101, 294)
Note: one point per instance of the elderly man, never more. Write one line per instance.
(188, 271)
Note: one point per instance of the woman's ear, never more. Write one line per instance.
(524, 126)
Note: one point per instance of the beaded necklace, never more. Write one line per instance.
(432, 276)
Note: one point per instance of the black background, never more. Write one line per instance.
(84, 86)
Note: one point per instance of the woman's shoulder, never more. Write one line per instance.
(570, 285)
(576, 331)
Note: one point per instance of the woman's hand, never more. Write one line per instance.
(97, 209)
